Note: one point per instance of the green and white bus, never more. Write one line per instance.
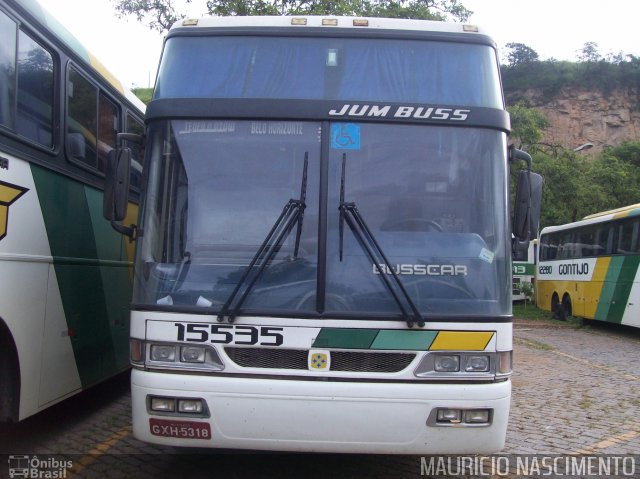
(323, 259)
(65, 275)
(524, 270)
(589, 268)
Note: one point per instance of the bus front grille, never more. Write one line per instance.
(347, 361)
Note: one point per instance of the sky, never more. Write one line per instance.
(553, 28)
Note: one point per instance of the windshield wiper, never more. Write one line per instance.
(292, 213)
(303, 197)
(349, 213)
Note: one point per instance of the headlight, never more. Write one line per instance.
(464, 365)
(447, 364)
(163, 353)
(477, 364)
(162, 404)
(192, 354)
(157, 355)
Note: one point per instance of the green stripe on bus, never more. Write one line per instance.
(608, 288)
(92, 294)
(116, 280)
(527, 269)
(389, 339)
(345, 338)
(408, 340)
(622, 290)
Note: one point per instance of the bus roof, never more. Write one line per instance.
(631, 210)
(49, 22)
(328, 21)
(624, 209)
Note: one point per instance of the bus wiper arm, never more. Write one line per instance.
(303, 199)
(349, 213)
(291, 214)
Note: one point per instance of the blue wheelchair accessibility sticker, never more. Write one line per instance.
(345, 136)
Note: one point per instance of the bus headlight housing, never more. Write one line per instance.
(478, 364)
(162, 352)
(446, 363)
(192, 354)
(160, 355)
(464, 365)
(460, 417)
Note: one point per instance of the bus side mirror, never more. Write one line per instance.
(526, 211)
(116, 188)
(526, 218)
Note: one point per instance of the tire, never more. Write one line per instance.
(9, 379)
(565, 308)
(555, 307)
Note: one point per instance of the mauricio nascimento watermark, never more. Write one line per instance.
(34, 467)
(530, 465)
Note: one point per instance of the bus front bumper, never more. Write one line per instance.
(318, 416)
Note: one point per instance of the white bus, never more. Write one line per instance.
(589, 268)
(65, 275)
(524, 270)
(324, 253)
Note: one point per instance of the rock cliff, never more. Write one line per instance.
(580, 116)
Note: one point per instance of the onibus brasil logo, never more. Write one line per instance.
(35, 467)
(9, 194)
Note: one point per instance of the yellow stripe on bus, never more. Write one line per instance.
(97, 64)
(461, 341)
(593, 288)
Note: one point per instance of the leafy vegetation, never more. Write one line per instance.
(576, 185)
(530, 312)
(525, 71)
(161, 14)
(143, 94)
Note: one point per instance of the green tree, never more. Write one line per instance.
(565, 189)
(527, 126)
(589, 53)
(520, 54)
(161, 14)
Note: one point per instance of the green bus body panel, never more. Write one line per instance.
(524, 269)
(388, 339)
(93, 274)
(617, 288)
(399, 339)
(345, 338)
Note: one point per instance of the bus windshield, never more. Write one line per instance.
(382, 70)
(432, 197)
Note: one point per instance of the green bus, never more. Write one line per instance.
(65, 275)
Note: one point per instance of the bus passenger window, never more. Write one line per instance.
(7, 71)
(136, 127)
(81, 119)
(107, 130)
(34, 119)
(92, 123)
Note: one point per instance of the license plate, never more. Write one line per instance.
(180, 429)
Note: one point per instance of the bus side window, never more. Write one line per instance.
(108, 125)
(26, 84)
(566, 246)
(8, 30)
(34, 118)
(92, 123)
(137, 159)
(626, 237)
(81, 120)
